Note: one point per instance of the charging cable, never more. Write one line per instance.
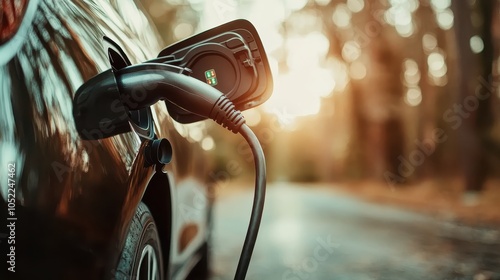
(258, 201)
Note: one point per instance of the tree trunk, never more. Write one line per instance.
(475, 123)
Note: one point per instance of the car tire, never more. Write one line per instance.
(141, 258)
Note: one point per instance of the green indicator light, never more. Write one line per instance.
(211, 77)
(210, 73)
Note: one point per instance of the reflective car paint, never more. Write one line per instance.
(75, 198)
(16, 17)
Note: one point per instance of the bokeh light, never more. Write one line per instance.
(411, 73)
(252, 117)
(342, 16)
(208, 143)
(183, 30)
(400, 15)
(476, 44)
(413, 96)
(445, 19)
(440, 5)
(437, 65)
(429, 42)
(351, 51)
(355, 5)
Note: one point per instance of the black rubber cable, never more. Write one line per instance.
(258, 202)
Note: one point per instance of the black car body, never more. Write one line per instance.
(74, 198)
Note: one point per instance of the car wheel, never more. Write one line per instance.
(141, 258)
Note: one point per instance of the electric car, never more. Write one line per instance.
(131, 206)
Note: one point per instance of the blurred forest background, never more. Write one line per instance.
(396, 92)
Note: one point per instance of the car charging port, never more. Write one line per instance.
(158, 151)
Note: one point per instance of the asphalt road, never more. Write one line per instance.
(322, 234)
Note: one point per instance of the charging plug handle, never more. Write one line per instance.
(143, 85)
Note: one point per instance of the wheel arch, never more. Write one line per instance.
(158, 198)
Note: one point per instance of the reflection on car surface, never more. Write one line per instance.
(90, 209)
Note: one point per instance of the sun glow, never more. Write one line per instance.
(299, 88)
